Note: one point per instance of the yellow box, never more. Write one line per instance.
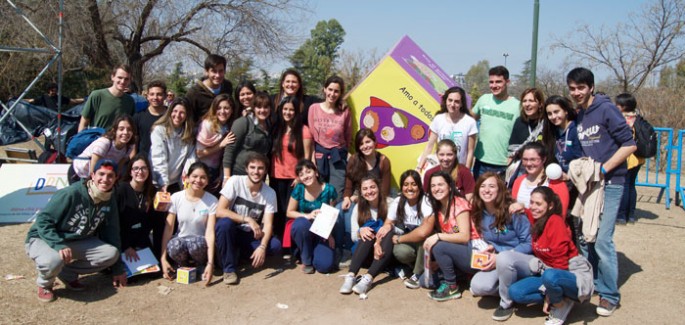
(186, 275)
(162, 201)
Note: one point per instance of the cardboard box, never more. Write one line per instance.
(186, 275)
(162, 201)
(478, 260)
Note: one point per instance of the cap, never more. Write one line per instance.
(107, 163)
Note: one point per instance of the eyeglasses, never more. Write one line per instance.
(139, 169)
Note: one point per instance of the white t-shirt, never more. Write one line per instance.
(411, 218)
(244, 204)
(459, 133)
(102, 147)
(192, 216)
(525, 190)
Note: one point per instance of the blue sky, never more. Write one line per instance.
(457, 34)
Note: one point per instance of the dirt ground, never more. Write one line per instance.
(651, 280)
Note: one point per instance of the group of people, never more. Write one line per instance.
(466, 222)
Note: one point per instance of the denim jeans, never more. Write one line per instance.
(629, 199)
(602, 253)
(480, 168)
(558, 284)
(511, 266)
(343, 227)
(313, 249)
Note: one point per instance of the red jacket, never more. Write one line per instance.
(557, 186)
(555, 245)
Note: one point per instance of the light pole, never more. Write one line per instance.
(505, 55)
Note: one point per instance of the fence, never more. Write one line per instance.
(659, 170)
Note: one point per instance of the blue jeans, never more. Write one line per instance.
(232, 243)
(313, 249)
(629, 199)
(602, 253)
(558, 284)
(454, 260)
(343, 227)
(480, 168)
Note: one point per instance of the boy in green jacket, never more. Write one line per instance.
(77, 233)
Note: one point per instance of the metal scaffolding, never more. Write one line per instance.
(56, 52)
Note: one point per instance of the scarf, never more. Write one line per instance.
(207, 137)
(95, 193)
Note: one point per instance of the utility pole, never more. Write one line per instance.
(534, 50)
(505, 55)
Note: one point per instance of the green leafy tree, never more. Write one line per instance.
(177, 81)
(316, 57)
(477, 77)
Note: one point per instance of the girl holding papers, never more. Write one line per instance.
(316, 253)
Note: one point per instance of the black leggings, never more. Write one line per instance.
(363, 254)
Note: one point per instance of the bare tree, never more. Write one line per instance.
(143, 30)
(354, 66)
(632, 50)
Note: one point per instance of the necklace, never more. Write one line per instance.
(140, 197)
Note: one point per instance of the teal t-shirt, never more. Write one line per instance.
(303, 205)
(497, 119)
(102, 108)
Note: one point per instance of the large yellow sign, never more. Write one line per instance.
(398, 101)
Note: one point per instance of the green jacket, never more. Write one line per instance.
(72, 215)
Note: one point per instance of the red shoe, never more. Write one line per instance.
(75, 286)
(45, 294)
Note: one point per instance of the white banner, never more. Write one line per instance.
(27, 188)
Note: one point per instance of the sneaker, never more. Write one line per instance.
(620, 222)
(632, 221)
(346, 288)
(74, 286)
(230, 278)
(46, 294)
(363, 285)
(446, 292)
(501, 314)
(412, 282)
(557, 315)
(605, 308)
(308, 269)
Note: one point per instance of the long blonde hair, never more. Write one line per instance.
(187, 135)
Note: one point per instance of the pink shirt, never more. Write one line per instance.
(284, 168)
(330, 130)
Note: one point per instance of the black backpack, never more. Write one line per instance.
(645, 138)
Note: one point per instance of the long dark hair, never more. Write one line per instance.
(436, 204)
(295, 140)
(502, 202)
(356, 167)
(549, 130)
(339, 104)
(401, 215)
(364, 206)
(112, 132)
(443, 102)
(552, 199)
(148, 188)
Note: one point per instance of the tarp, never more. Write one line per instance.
(35, 119)
(398, 101)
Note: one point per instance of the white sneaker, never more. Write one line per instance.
(363, 285)
(346, 288)
(557, 315)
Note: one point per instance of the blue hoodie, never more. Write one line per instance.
(515, 236)
(602, 130)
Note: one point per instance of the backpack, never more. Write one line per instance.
(645, 138)
(82, 140)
